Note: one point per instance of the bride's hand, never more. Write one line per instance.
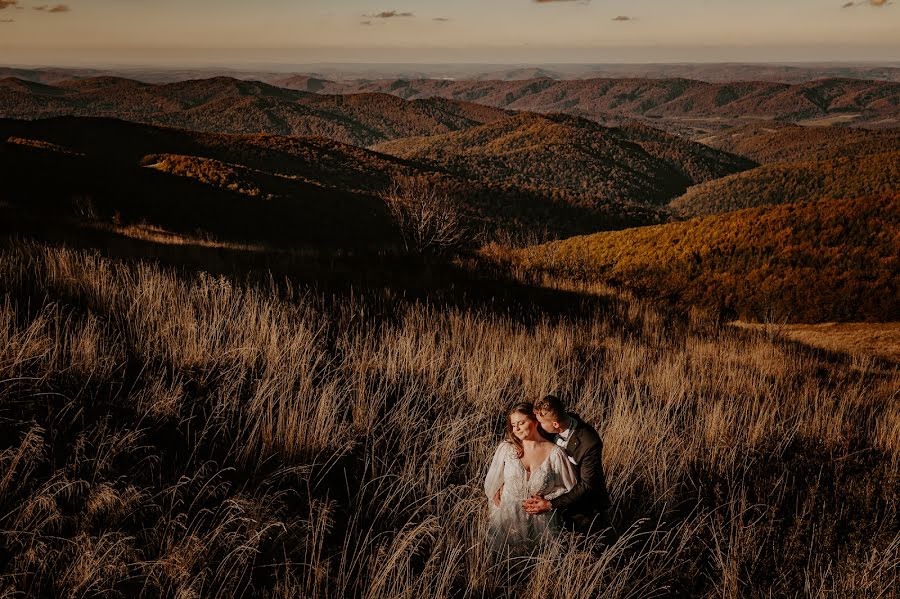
(497, 496)
(536, 505)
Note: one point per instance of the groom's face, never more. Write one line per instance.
(548, 424)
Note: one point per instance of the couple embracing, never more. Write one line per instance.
(547, 474)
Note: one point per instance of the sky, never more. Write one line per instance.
(182, 32)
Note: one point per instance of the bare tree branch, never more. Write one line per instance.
(428, 219)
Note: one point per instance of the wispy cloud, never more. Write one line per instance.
(624, 18)
(8, 3)
(53, 9)
(441, 19)
(866, 3)
(7, 20)
(560, 1)
(390, 14)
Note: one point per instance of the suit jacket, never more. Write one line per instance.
(588, 499)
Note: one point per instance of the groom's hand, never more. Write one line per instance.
(536, 505)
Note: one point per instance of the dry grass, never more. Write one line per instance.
(196, 437)
(164, 237)
(863, 339)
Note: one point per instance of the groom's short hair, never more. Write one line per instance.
(550, 406)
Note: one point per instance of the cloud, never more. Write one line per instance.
(441, 19)
(365, 22)
(624, 18)
(851, 4)
(53, 9)
(559, 1)
(390, 14)
(7, 20)
(8, 3)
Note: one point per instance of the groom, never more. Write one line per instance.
(584, 507)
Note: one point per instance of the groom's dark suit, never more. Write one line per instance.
(584, 507)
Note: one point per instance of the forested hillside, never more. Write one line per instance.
(226, 105)
(568, 156)
(794, 182)
(805, 262)
(782, 142)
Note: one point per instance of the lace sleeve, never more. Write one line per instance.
(494, 477)
(565, 474)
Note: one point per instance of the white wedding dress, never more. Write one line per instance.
(510, 528)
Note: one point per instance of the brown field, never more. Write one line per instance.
(879, 339)
(168, 433)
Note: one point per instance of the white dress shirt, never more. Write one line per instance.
(562, 439)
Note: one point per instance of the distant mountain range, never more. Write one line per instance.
(848, 100)
(365, 113)
(712, 72)
(572, 157)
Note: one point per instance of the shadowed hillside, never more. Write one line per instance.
(806, 262)
(187, 195)
(570, 156)
(795, 182)
(258, 188)
(781, 142)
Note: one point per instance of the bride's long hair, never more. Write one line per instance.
(526, 409)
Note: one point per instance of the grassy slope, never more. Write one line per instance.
(796, 182)
(191, 436)
(812, 261)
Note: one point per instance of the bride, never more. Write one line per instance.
(525, 464)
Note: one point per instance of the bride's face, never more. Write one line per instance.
(523, 427)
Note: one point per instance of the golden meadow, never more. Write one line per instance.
(168, 433)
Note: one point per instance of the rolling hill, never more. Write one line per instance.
(226, 105)
(806, 262)
(568, 156)
(782, 183)
(782, 142)
(87, 172)
(287, 191)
